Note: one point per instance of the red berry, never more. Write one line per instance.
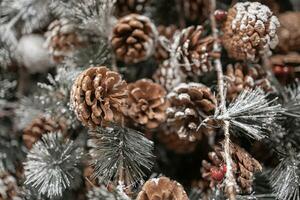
(220, 15)
(216, 174)
(224, 168)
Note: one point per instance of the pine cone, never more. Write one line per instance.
(173, 142)
(241, 77)
(243, 166)
(63, 39)
(39, 126)
(133, 38)
(8, 187)
(168, 75)
(195, 10)
(124, 7)
(147, 103)
(289, 33)
(195, 52)
(189, 103)
(98, 96)
(165, 33)
(250, 29)
(162, 189)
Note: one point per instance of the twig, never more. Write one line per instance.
(230, 180)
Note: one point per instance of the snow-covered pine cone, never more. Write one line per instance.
(173, 142)
(249, 31)
(165, 33)
(162, 189)
(168, 75)
(195, 10)
(39, 126)
(9, 189)
(289, 33)
(62, 39)
(98, 96)
(133, 38)
(124, 7)
(189, 104)
(241, 77)
(195, 51)
(147, 103)
(243, 166)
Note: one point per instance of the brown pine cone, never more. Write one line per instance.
(190, 104)
(98, 96)
(241, 77)
(243, 167)
(249, 31)
(162, 189)
(195, 10)
(147, 103)
(165, 33)
(133, 38)
(196, 53)
(124, 7)
(39, 126)
(9, 189)
(63, 39)
(173, 142)
(289, 33)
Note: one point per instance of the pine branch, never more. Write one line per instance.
(120, 154)
(230, 182)
(52, 165)
(292, 103)
(252, 113)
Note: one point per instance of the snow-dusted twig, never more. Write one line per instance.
(230, 182)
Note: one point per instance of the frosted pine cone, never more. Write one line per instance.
(39, 126)
(250, 30)
(289, 33)
(147, 103)
(63, 39)
(173, 142)
(190, 104)
(165, 33)
(241, 77)
(8, 187)
(162, 189)
(124, 7)
(243, 166)
(133, 38)
(195, 10)
(168, 75)
(98, 96)
(195, 52)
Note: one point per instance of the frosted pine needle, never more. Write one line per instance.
(285, 179)
(252, 113)
(293, 104)
(120, 154)
(52, 165)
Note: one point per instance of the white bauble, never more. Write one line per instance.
(32, 53)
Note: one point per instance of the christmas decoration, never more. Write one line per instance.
(205, 98)
(62, 39)
(162, 188)
(190, 103)
(133, 38)
(243, 166)
(39, 126)
(241, 77)
(250, 29)
(288, 32)
(147, 103)
(98, 95)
